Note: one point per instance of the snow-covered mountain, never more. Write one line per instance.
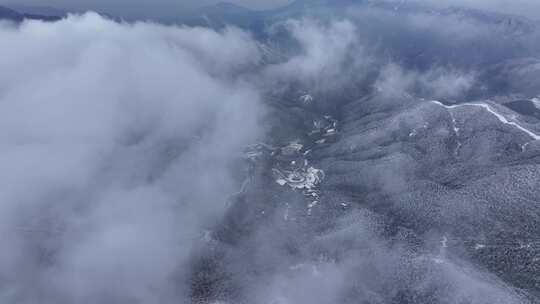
(440, 150)
(329, 151)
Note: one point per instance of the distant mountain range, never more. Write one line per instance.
(225, 13)
(38, 10)
(222, 14)
(34, 14)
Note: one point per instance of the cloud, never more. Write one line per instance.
(119, 143)
(439, 82)
(328, 56)
(341, 56)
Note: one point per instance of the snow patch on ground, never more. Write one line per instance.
(303, 179)
(499, 116)
(536, 102)
(306, 99)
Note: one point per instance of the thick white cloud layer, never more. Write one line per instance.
(117, 142)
